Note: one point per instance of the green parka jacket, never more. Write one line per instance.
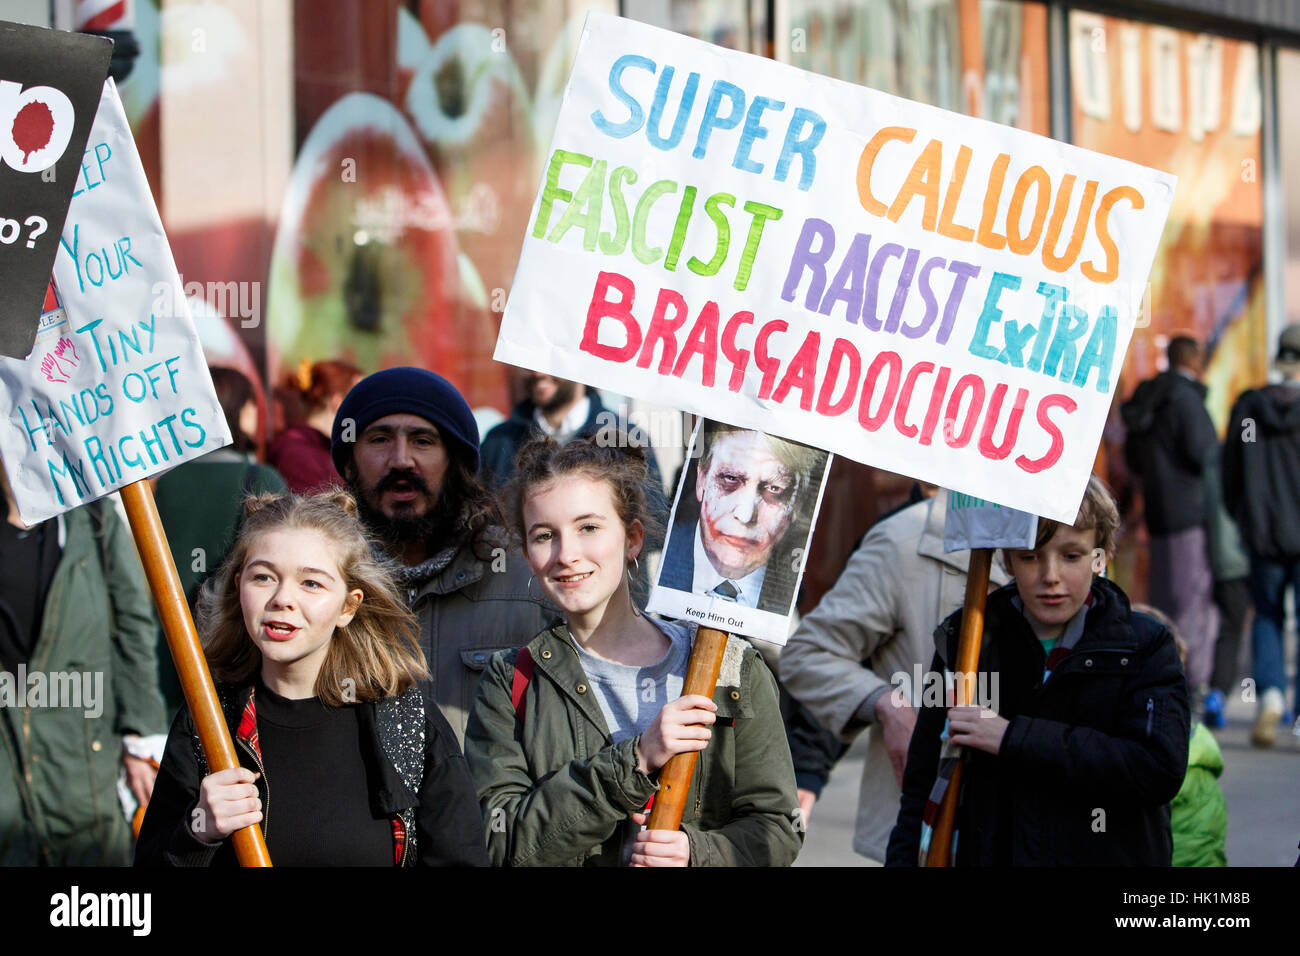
(1199, 814)
(556, 791)
(59, 765)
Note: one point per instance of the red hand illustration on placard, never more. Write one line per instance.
(56, 364)
(33, 127)
(51, 370)
(62, 349)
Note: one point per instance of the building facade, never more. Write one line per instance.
(352, 178)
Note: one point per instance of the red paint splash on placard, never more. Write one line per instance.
(33, 127)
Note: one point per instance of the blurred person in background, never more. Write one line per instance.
(301, 453)
(1261, 486)
(201, 500)
(1171, 440)
(1231, 567)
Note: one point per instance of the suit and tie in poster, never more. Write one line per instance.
(740, 528)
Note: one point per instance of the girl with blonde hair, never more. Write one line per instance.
(316, 661)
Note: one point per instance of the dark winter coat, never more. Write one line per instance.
(434, 814)
(1091, 758)
(1170, 439)
(1261, 470)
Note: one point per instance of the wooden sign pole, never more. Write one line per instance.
(187, 653)
(968, 659)
(675, 777)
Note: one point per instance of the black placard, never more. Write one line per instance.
(50, 84)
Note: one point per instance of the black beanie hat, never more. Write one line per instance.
(406, 391)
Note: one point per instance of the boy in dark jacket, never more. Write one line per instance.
(1086, 740)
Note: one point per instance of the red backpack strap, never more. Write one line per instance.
(519, 686)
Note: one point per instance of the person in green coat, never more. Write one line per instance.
(78, 687)
(1199, 814)
(568, 734)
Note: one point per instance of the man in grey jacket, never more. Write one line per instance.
(871, 633)
(405, 441)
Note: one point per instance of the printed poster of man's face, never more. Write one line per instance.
(740, 529)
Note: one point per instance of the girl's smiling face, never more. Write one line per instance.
(293, 595)
(576, 544)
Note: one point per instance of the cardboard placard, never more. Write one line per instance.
(975, 523)
(117, 388)
(922, 291)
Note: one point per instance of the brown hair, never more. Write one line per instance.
(1181, 350)
(612, 458)
(1098, 513)
(317, 382)
(377, 655)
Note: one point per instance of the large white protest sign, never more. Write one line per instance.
(975, 523)
(933, 294)
(116, 388)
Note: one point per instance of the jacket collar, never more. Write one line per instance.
(1107, 624)
(554, 654)
(462, 571)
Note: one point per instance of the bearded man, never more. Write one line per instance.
(406, 444)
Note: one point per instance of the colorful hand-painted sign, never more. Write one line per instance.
(922, 291)
(116, 388)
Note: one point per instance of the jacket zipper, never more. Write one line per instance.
(266, 810)
(1150, 710)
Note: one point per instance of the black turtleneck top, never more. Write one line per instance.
(319, 785)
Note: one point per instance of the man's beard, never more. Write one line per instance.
(434, 526)
(565, 391)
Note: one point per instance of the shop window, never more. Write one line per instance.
(1288, 103)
